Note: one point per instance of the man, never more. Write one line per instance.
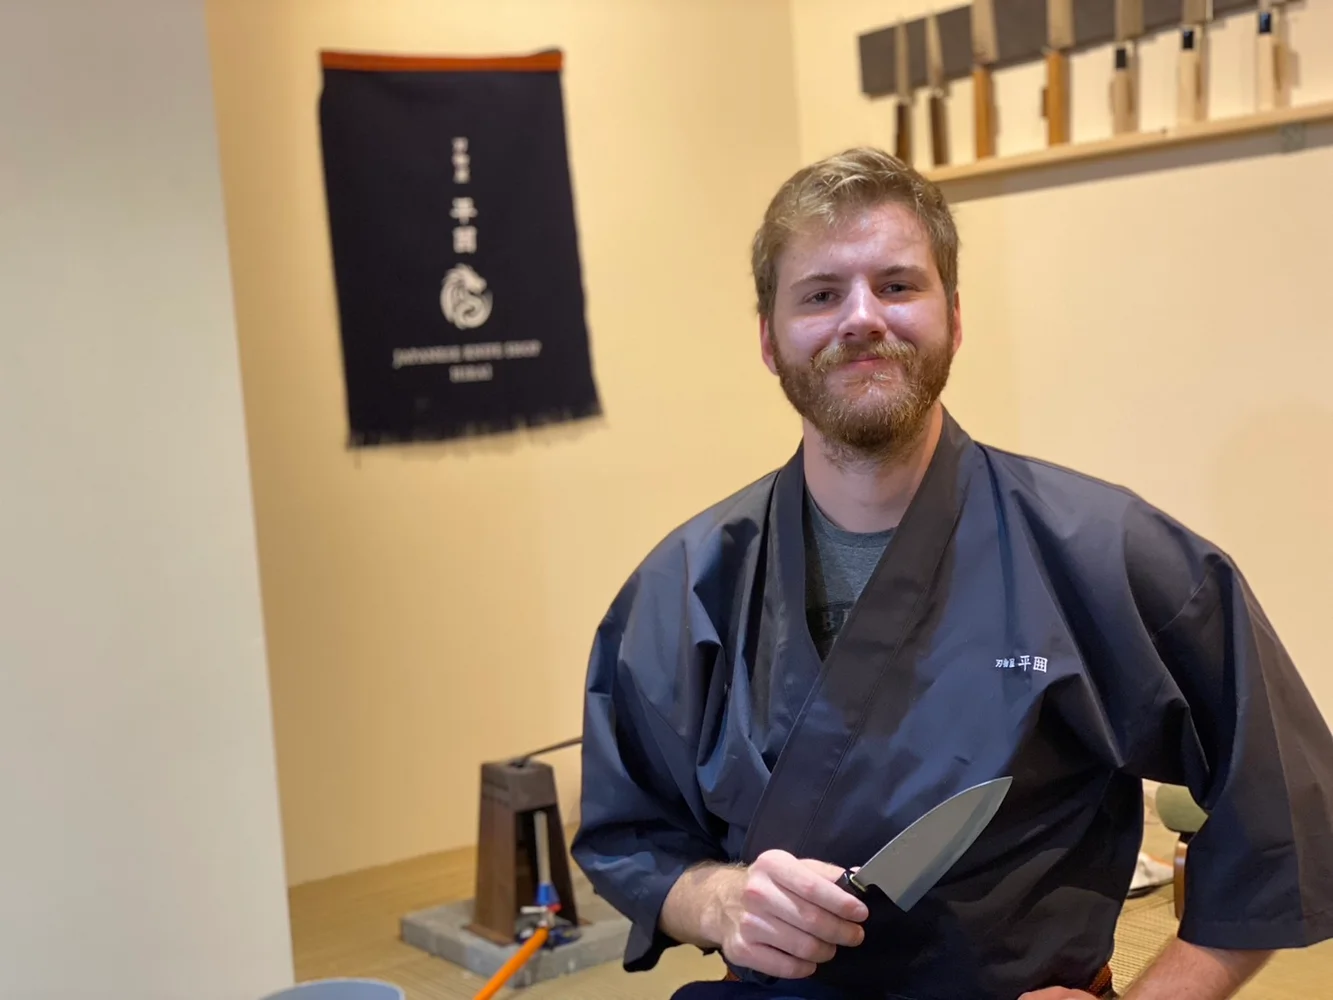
(794, 675)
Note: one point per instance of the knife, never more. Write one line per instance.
(1059, 40)
(1124, 100)
(1189, 103)
(1271, 84)
(939, 121)
(985, 53)
(903, 87)
(910, 864)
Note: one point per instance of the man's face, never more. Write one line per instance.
(862, 334)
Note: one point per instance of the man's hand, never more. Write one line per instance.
(1182, 971)
(781, 916)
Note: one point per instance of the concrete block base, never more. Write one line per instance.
(442, 931)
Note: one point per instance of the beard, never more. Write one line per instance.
(872, 415)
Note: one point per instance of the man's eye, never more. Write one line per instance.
(820, 298)
(895, 288)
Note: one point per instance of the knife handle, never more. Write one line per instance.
(846, 884)
(1122, 94)
(1057, 98)
(1190, 85)
(984, 116)
(903, 138)
(1269, 89)
(939, 131)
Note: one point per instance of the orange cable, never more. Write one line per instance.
(516, 962)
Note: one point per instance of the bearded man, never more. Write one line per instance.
(794, 675)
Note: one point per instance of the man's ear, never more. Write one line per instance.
(766, 344)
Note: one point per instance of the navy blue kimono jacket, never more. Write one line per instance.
(1024, 620)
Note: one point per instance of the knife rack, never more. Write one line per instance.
(511, 794)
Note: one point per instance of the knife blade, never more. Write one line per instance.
(910, 864)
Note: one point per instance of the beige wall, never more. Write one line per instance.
(432, 607)
(140, 848)
(1162, 321)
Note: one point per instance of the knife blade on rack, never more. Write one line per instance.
(1059, 40)
(1194, 17)
(985, 53)
(939, 119)
(910, 864)
(903, 89)
(1124, 81)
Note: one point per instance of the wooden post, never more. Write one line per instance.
(506, 848)
(1178, 874)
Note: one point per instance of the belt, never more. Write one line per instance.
(1102, 987)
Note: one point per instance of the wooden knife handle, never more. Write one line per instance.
(1122, 102)
(1267, 90)
(983, 96)
(939, 130)
(1122, 94)
(1190, 87)
(1057, 98)
(846, 884)
(903, 137)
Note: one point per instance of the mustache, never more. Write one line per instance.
(841, 353)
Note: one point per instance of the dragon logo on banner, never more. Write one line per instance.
(464, 299)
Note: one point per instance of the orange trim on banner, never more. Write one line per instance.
(540, 62)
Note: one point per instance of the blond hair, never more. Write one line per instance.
(822, 193)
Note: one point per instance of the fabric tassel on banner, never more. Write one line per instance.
(455, 246)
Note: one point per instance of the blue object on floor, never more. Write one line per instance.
(340, 989)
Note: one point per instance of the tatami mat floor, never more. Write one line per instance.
(348, 926)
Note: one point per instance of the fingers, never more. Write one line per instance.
(767, 929)
(814, 881)
(771, 962)
(823, 869)
(791, 916)
(792, 909)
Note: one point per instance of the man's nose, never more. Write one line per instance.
(862, 314)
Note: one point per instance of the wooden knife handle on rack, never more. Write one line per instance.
(983, 91)
(1123, 115)
(903, 136)
(1057, 97)
(1189, 84)
(939, 130)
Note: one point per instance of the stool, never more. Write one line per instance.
(1183, 816)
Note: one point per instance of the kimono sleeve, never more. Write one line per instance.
(1240, 729)
(640, 825)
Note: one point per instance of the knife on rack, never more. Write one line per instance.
(1194, 17)
(1059, 40)
(910, 864)
(1124, 81)
(939, 120)
(1271, 84)
(903, 87)
(985, 53)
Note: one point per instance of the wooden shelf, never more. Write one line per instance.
(1222, 128)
